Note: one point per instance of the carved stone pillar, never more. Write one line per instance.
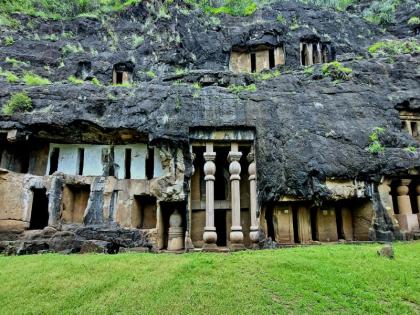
(403, 199)
(253, 234)
(210, 235)
(236, 235)
(418, 202)
(407, 220)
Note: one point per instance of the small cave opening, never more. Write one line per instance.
(269, 219)
(339, 223)
(39, 213)
(220, 224)
(84, 70)
(75, 201)
(221, 183)
(253, 62)
(144, 212)
(295, 225)
(123, 73)
(271, 58)
(314, 228)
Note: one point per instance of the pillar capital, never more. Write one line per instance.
(234, 156)
(209, 156)
(405, 182)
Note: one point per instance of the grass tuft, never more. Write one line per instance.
(33, 79)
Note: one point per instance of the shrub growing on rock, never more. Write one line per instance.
(394, 47)
(19, 102)
(336, 71)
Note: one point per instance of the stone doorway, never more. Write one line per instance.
(75, 201)
(167, 208)
(220, 224)
(39, 213)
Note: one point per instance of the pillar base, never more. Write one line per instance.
(210, 235)
(254, 235)
(210, 247)
(408, 222)
(236, 238)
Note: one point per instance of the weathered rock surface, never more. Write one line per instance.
(309, 127)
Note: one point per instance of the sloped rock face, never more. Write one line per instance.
(308, 127)
(93, 238)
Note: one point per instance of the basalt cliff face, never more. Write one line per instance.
(308, 125)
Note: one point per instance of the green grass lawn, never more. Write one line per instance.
(317, 279)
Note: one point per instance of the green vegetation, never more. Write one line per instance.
(309, 70)
(19, 102)
(281, 19)
(236, 89)
(325, 279)
(231, 7)
(411, 149)
(196, 86)
(266, 75)
(181, 71)
(294, 25)
(339, 5)
(381, 12)
(15, 63)
(57, 9)
(72, 49)
(8, 21)
(9, 41)
(151, 74)
(394, 47)
(33, 79)
(336, 71)
(414, 20)
(375, 146)
(96, 82)
(9, 75)
(136, 41)
(74, 80)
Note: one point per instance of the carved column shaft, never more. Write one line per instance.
(236, 235)
(253, 197)
(210, 235)
(403, 199)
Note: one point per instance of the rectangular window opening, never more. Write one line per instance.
(295, 225)
(271, 58)
(253, 62)
(127, 164)
(55, 153)
(150, 163)
(81, 160)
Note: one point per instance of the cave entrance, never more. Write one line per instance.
(39, 213)
(270, 223)
(220, 224)
(314, 228)
(339, 222)
(144, 212)
(221, 184)
(295, 224)
(75, 201)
